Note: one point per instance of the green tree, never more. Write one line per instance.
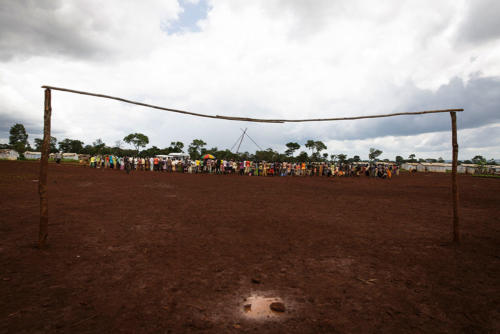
(342, 158)
(71, 146)
(333, 157)
(18, 138)
(88, 149)
(195, 148)
(311, 145)
(138, 140)
(374, 154)
(315, 146)
(356, 158)
(213, 151)
(315, 157)
(319, 146)
(399, 159)
(150, 152)
(292, 147)
(479, 160)
(267, 155)
(176, 147)
(98, 146)
(411, 158)
(53, 143)
(302, 157)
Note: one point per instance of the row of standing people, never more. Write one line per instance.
(252, 168)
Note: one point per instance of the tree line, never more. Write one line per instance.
(18, 140)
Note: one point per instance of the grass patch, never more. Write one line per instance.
(491, 176)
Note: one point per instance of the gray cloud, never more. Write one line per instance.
(94, 30)
(39, 28)
(9, 119)
(480, 97)
(481, 23)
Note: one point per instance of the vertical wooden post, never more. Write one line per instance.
(44, 164)
(454, 187)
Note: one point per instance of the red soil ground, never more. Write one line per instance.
(173, 253)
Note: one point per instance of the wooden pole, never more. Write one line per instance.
(247, 119)
(454, 187)
(241, 141)
(44, 164)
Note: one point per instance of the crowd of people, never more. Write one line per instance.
(251, 168)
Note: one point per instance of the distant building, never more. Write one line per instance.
(469, 169)
(174, 156)
(493, 169)
(9, 154)
(70, 156)
(84, 157)
(434, 167)
(409, 166)
(32, 155)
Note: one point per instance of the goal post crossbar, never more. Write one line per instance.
(42, 184)
(248, 119)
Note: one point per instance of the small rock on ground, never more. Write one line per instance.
(277, 307)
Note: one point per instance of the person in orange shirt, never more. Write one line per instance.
(156, 161)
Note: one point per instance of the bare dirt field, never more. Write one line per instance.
(174, 253)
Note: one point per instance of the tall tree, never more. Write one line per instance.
(311, 145)
(98, 146)
(411, 158)
(342, 158)
(374, 154)
(479, 160)
(302, 157)
(267, 155)
(150, 152)
(399, 159)
(53, 143)
(319, 146)
(71, 146)
(18, 138)
(356, 158)
(176, 147)
(138, 140)
(195, 148)
(292, 147)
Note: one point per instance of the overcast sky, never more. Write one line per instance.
(265, 59)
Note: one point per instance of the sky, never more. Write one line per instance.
(262, 59)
